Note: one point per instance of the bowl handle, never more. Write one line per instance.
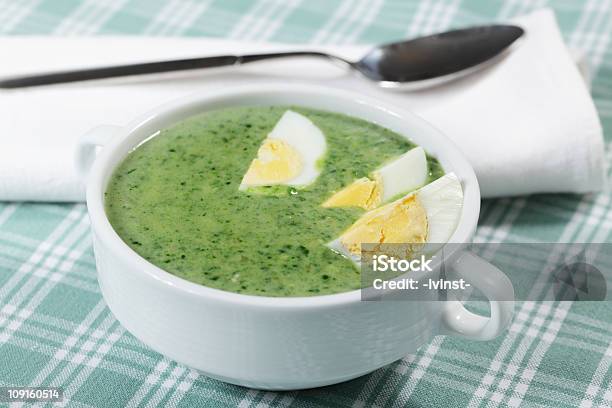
(495, 285)
(88, 145)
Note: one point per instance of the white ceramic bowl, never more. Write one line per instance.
(279, 343)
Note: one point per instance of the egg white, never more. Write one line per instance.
(443, 202)
(404, 174)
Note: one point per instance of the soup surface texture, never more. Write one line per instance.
(175, 201)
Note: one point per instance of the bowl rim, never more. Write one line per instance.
(102, 228)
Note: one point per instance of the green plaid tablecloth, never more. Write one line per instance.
(56, 330)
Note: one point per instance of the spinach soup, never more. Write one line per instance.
(191, 199)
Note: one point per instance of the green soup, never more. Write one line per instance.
(175, 201)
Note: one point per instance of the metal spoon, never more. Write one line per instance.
(390, 65)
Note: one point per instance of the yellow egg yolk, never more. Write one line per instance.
(364, 192)
(401, 222)
(276, 162)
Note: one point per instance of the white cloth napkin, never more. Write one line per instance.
(527, 123)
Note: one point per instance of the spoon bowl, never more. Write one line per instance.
(436, 56)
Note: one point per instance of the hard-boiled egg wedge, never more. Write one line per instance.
(406, 173)
(289, 155)
(428, 215)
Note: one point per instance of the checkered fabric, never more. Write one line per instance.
(55, 329)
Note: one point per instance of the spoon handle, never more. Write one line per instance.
(151, 68)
